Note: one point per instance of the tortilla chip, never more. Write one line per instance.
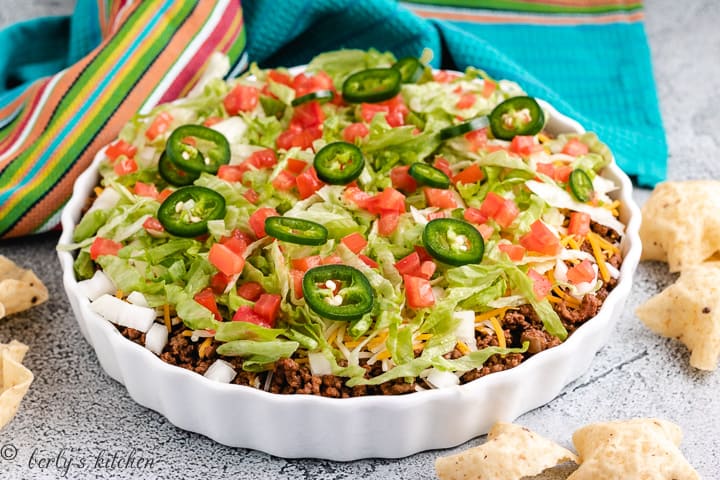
(20, 289)
(644, 448)
(511, 452)
(689, 310)
(15, 379)
(681, 224)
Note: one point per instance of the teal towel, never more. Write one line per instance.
(591, 63)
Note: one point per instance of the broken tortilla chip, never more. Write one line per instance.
(644, 448)
(15, 379)
(689, 310)
(680, 223)
(20, 289)
(510, 453)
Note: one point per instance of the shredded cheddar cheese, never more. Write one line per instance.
(119, 294)
(599, 257)
(166, 317)
(605, 244)
(377, 341)
(498, 312)
(463, 348)
(498, 332)
(204, 347)
(98, 191)
(571, 300)
(385, 354)
(187, 333)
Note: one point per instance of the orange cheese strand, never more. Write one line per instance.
(498, 332)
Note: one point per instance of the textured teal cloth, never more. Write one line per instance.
(600, 74)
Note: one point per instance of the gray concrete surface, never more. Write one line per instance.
(76, 415)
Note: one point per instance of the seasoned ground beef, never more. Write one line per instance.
(290, 376)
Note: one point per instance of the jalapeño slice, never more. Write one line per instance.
(372, 85)
(453, 241)
(516, 116)
(410, 68)
(296, 230)
(462, 128)
(428, 175)
(581, 185)
(197, 149)
(339, 163)
(338, 292)
(320, 95)
(186, 211)
(173, 174)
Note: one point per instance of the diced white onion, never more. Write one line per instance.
(319, 364)
(137, 298)
(96, 286)
(232, 128)
(122, 313)
(108, 198)
(561, 271)
(465, 331)
(221, 371)
(440, 379)
(418, 216)
(156, 338)
(614, 272)
(218, 66)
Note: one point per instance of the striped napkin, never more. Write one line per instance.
(71, 83)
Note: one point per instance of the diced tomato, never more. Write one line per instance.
(409, 265)
(418, 292)
(394, 109)
(250, 291)
(485, 230)
(389, 200)
(225, 259)
(369, 110)
(284, 181)
(237, 244)
(579, 224)
(206, 298)
(257, 220)
(466, 101)
(306, 263)
(438, 214)
(427, 269)
(388, 223)
(488, 88)
(471, 174)
(473, 215)
(240, 235)
(333, 259)
(541, 284)
(354, 131)
(581, 273)
(242, 98)
(443, 165)
(395, 118)
(246, 314)
(424, 255)
(296, 166)
(523, 144)
(309, 114)
(437, 197)
(562, 174)
(515, 252)
(219, 282)
(145, 190)
(302, 138)
(575, 148)
(210, 121)
(541, 239)
(285, 139)
(251, 195)
(507, 213)
(263, 158)
(296, 276)
(304, 84)
(444, 76)
(164, 194)
(491, 204)
(355, 242)
(125, 166)
(104, 246)
(232, 173)
(358, 197)
(368, 261)
(477, 138)
(279, 77)
(120, 147)
(159, 125)
(153, 226)
(546, 169)
(308, 183)
(401, 179)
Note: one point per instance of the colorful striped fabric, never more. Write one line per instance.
(128, 56)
